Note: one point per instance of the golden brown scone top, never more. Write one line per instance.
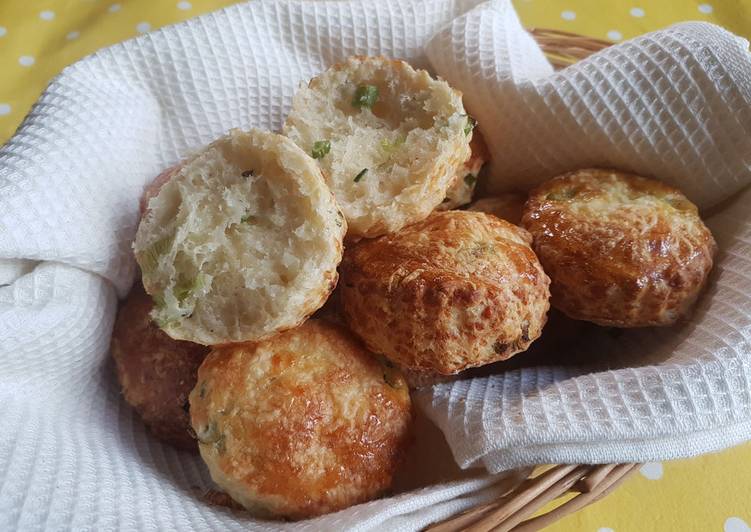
(156, 372)
(302, 424)
(457, 290)
(621, 250)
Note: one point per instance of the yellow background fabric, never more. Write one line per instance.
(38, 38)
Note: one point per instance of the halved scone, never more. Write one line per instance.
(389, 139)
(241, 242)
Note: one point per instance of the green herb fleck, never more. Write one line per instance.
(471, 123)
(158, 300)
(321, 148)
(151, 255)
(470, 179)
(562, 195)
(365, 96)
(164, 323)
(248, 218)
(359, 176)
(391, 375)
(221, 446)
(390, 146)
(210, 434)
(184, 290)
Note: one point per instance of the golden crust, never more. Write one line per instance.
(507, 206)
(305, 423)
(156, 372)
(457, 290)
(621, 250)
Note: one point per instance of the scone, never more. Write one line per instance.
(508, 206)
(156, 373)
(303, 424)
(461, 190)
(241, 242)
(621, 250)
(457, 290)
(389, 139)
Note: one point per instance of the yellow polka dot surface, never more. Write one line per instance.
(38, 38)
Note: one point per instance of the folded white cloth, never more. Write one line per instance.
(675, 104)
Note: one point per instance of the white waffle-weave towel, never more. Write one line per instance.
(675, 104)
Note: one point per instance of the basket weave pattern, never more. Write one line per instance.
(587, 483)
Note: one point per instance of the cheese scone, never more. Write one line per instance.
(621, 250)
(302, 424)
(508, 206)
(241, 242)
(463, 187)
(457, 290)
(156, 373)
(389, 139)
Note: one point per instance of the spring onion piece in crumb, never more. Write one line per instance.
(183, 290)
(471, 123)
(321, 148)
(151, 255)
(365, 96)
(361, 175)
(390, 146)
(470, 180)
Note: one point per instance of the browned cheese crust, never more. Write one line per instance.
(302, 424)
(458, 290)
(621, 250)
(156, 372)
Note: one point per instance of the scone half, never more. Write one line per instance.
(241, 242)
(388, 138)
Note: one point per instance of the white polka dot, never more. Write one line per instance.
(568, 15)
(73, 35)
(4, 109)
(736, 524)
(26, 60)
(705, 8)
(184, 5)
(47, 15)
(651, 470)
(637, 12)
(3, 31)
(114, 8)
(615, 35)
(605, 529)
(143, 27)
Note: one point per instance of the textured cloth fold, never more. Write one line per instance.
(674, 104)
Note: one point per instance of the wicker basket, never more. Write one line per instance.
(576, 485)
